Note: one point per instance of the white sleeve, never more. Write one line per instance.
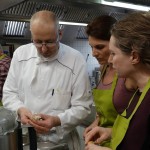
(81, 99)
(10, 90)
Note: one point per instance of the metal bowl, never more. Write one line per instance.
(8, 121)
(48, 146)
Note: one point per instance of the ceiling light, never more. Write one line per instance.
(126, 5)
(72, 23)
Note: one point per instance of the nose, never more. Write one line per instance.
(110, 59)
(94, 52)
(44, 48)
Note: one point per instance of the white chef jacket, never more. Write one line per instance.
(56, 86)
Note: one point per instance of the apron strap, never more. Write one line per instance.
(141, 98)
(114, 82)
(102, 74)
(146, 88)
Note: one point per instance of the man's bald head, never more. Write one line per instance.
(44, 18)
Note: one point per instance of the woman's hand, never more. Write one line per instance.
(98, 135)
(92, 146)
(89, 128)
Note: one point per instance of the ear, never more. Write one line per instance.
(60, 32)
(135, 58)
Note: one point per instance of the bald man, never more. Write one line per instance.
(50, 79)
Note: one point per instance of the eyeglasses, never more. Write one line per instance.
(47, 44)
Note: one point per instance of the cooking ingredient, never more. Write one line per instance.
(37, 117)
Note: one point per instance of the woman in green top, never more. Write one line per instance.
(130, 55)
(98, 32)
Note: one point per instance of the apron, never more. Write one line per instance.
(121, 124)
(103, 100)
(1, 57)
(104, 106)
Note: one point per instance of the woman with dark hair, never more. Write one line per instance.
(130, 55)
(106, 93)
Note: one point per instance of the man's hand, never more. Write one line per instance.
(24, 115)
(98, 135)
(45, 123)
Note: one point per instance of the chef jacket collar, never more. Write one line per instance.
(41, 59)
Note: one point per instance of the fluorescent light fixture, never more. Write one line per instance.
(72, 23)
(126, 5)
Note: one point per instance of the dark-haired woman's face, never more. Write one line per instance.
(100, 49)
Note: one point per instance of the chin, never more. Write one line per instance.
(47, 55)
(120, 75)
(101, 63)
